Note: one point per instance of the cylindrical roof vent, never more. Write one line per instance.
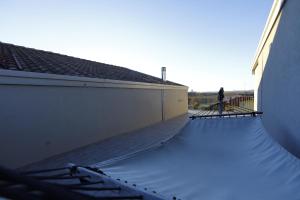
(163, 74)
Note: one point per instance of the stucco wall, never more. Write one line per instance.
(279, 85)
(175, 101)
(261, 62)
(38, 121)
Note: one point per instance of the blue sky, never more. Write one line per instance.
(204, 44)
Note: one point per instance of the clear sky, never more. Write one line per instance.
(204, 44)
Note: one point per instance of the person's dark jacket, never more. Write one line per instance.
(221, 94)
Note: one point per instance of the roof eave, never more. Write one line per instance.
(15, 77)
(272, 18)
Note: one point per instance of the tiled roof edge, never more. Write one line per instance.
(109, 65)
(13, 77)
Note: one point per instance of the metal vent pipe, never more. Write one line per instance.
(163, 74)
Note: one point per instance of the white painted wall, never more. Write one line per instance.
(44, 115)
(279, 80)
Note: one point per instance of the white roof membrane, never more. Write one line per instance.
(221, 158)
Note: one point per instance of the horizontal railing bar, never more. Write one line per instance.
(58, 177)
(92, 188)
(121, 197)
(227, 115)
(43, 171)
(81, 184)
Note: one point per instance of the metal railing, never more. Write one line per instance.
(230, 108)
(74, 183)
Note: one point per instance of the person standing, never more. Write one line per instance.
(220, 99)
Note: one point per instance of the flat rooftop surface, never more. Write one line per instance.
(215, 158)
(117, 146)
(211, 159)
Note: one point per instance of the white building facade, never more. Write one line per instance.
(276, 68)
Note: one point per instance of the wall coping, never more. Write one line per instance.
(272, 18)
(13, 77)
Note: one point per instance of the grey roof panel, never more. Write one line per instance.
(13, 57)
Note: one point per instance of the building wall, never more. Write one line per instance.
(44, 117)
(261, 63)
(173, 106)
(278, 79)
